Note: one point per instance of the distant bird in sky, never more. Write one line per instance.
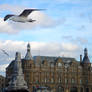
(5, 52)
(23, 17)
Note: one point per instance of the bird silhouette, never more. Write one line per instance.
(22, 17)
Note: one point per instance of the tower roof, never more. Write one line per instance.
(86, 59)
(17, 63)
(28, 54)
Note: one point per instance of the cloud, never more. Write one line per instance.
(42, 20)
(82, 40)
(6, 28)
(82, 28)
(69, 37)
(79, 40)
(3, 67)
(37, 48)
(73, 1)
(11, 8)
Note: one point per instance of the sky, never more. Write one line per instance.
(62, 29)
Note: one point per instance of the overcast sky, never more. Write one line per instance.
(63, 29)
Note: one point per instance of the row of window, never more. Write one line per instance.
(46, 78)
(59, 64)
(66, 67)
(52, 80)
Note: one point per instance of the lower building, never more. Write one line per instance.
(55, 74)
(2, 83)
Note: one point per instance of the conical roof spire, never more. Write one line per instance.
(28, 54)
(86, 59)
(17, 65)
(85, 52)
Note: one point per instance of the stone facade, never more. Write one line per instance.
(2, 83)
(55, 74)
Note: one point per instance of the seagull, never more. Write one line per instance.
(22, 17)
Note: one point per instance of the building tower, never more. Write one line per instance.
(28, 54)
(86, 70)
(28, 65)
(86, 59)
(17, 82)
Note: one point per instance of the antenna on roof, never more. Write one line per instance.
(5, 52)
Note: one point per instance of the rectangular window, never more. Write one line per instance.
(80, 81)
(73, 81)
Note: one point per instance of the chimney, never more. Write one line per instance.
(18, 56)
(80, 58)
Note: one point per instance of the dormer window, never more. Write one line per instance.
(59, 64)
(66, 65)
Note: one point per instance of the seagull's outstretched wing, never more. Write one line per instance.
(7, 17)
(26, 12)
(4, 52)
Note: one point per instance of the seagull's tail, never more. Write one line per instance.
(31, 20)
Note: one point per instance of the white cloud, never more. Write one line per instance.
(3, 67)
(37, 48)
(51, 49)
(11, 8)
(81, 40)
(6, 28)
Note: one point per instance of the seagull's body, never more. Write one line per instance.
(23, 17)
(18, 19)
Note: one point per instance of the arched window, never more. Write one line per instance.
(87, 89)
(81, 89)
(73, 89)
(60, 89)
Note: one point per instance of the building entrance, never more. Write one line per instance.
(87, 89)
(60, 89)
(42, 89)
(73, 89)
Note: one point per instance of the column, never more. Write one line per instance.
(78, 89)
(67, 90)
(54, 90)
(90, 89)
(84, 89)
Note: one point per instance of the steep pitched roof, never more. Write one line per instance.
(28, 54)
(85, 59)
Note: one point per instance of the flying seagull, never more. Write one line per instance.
(22, 17)
(5, 52)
